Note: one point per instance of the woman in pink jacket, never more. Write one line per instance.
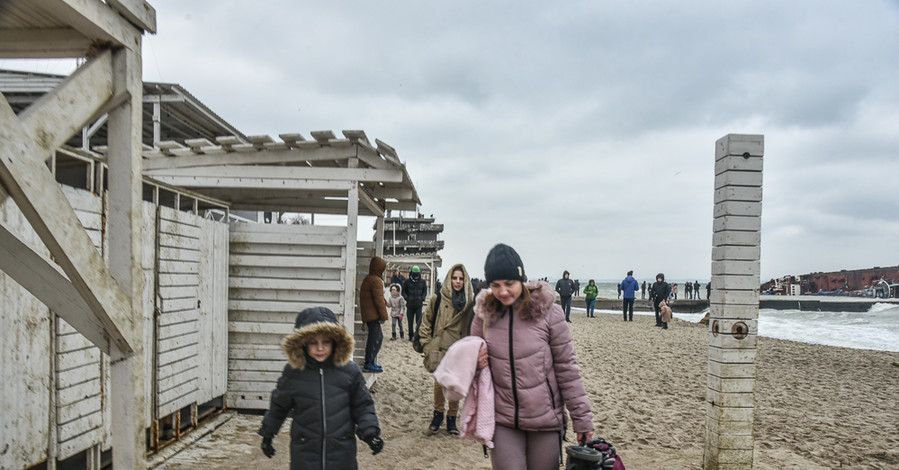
(534, 369)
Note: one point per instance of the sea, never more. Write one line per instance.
(876, 329)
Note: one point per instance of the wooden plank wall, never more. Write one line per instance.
(24, 365)
(275, 272)
(75, 413)
(82, 371)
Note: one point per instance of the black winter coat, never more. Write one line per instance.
(415, 290)
(659, 291)
(328, 401)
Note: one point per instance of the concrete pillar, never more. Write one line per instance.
(734, 303)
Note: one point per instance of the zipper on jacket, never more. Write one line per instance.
(321, 373)
(552, 396)
(512, 367)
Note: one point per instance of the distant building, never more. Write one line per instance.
(411, 241)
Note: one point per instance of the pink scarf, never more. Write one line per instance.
(458, 373)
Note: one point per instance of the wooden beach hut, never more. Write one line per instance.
(132, 301)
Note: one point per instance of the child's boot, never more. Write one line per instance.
(435, 423)
(451, 425)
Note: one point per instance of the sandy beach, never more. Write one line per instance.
(816, 406)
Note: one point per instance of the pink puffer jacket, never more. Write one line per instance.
(534, 366)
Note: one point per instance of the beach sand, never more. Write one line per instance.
(816, 406)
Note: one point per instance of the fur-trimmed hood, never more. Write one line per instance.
(317, 321)
(542, 298)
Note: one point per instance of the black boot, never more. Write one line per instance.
(436, 422)
(451, 425)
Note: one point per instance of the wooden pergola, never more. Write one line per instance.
(102, 302)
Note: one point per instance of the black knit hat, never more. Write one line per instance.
(504, 263)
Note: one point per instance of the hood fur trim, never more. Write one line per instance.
(542, 299)
(294, 342)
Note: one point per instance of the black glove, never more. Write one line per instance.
(375, 443)
(267, 448)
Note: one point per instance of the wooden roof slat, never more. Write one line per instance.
(356, 136)
(198, 144)
(291, 139)
(387, 151)
(323, 137)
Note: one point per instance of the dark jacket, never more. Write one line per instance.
(630, 286)
(328, 401)
(415, 289)
(372, 303)
(660, 290)
(451, 325)
(565, 287)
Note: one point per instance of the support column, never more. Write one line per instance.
(127, 394)
(379, 236)
(349, 289)
(734, 303)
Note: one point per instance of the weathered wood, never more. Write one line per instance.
(226, 176)
(43, 203)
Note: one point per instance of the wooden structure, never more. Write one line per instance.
(277, 270)
(734, 303)
(124, 308)
(99, 301)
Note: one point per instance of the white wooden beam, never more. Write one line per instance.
(255, 183)
(370, 203)
(25, 177)
(124, 226)
(42, 43)
(138, 12)
(94, 19)
(78, 100)
(264, 157)
(212, 173)
(45, 280)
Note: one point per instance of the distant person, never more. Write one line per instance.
(629, 287)
(373, 309)
(664, 314)
(643, 291)
(565, 287)
(619, 290)
(397, 278)
(577, 287)
(532, 360)
(590, 293)
(688, 290)
(321, 375)
(396, 307)
(696, 290)
(451, 319)
(708, 290)
(674, 291)
(659, 291)
(415, 289)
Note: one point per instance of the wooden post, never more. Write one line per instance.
(379, 236)
(352, 221)
(734, 303)
(124, 224)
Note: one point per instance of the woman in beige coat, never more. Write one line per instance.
(447, 318)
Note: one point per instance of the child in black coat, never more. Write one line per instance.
(325, 394)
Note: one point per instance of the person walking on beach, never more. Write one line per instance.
(397, 278)
(565, 287)
(590, 293)
(373, 309)
(619, 290)
(708, 290)
(674, 291)
(447, 319)
(415, 289)
(659, 291)
(396, 305)
(577, 287)
(324, 393)
(535, 372)
(629, 287)
(643, 291)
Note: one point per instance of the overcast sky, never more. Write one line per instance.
(580, 132)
